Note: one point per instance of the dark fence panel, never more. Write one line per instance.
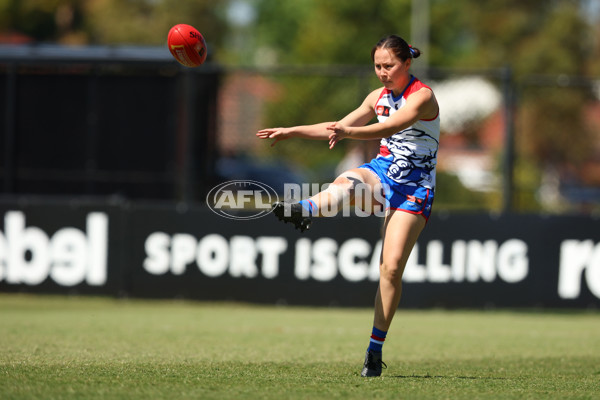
(168, 251)
(94, 122)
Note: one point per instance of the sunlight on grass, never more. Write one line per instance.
(73, 347)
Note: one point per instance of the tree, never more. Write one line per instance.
(328, 31)
(147, 22)
(42, 20)
(144, 22)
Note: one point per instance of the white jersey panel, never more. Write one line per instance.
(413, 151)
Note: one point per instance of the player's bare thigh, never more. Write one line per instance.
(366, 189)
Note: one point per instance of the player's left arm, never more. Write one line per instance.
(419, 105)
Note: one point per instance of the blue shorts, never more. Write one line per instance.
(407, 197)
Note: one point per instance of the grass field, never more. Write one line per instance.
(95, 348)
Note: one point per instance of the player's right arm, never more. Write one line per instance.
(359, 117)
(314, 132)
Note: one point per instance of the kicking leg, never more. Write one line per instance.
(341, 193)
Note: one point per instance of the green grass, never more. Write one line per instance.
(94, 348)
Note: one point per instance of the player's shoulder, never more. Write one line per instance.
(417, 86)
(419, 92)
(422, 96)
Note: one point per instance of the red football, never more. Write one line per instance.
(187, 45)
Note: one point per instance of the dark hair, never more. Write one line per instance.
(398, 46)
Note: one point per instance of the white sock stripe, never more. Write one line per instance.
(376, 341)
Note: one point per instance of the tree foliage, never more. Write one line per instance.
(328, 31)
(143, 22)
(42, 20)
(146, 22)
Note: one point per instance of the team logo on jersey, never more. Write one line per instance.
(414, 199)
(383, 111)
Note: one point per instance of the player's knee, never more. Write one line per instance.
(391, 270)
(342, 182)
(347, 182)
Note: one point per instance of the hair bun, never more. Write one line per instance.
(414, 52)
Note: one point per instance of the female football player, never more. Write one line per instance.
(401, 179)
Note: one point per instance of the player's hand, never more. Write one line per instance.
(338, 132)
(278, 134)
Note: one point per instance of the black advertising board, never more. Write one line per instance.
(197, 254)
(460, 260)
(175, 251)
(69, 247)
